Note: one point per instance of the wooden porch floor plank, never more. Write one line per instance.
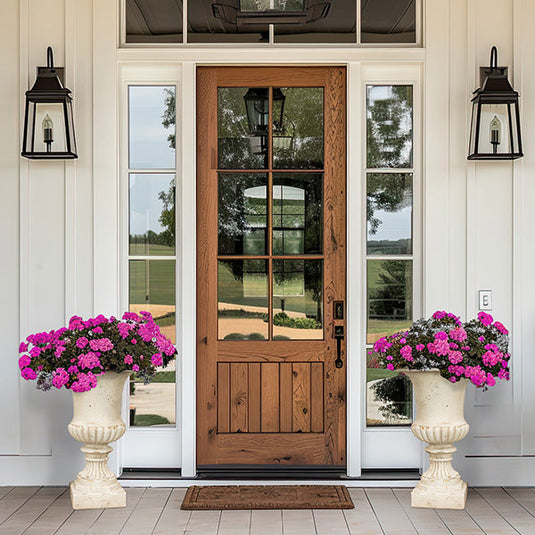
(4, 491)
(330, 522)
(486, 517)
(79, 521)
(147, 512)
(173, 519)
(111, 521)
(509, 509)
(426, 521)
(362, 519)
(15, 499)
(234, 523)
(266, 522)
(298, 522)
(389, 512)
(459, 522)
(203, 523)
(54, 517)
(30, 510)
(523, 496)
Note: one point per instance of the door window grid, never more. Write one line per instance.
(152, 242)
(341, 22)
(390, 258)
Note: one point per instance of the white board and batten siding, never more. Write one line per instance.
(61, 232)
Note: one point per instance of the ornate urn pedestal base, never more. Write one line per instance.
(96, 423)
(439, 422)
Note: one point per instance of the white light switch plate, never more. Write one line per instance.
(485, 299)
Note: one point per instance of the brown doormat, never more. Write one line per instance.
(268, 497)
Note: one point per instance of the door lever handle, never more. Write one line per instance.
(339, 336)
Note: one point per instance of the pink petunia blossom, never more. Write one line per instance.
(156, 359)
(485, 319)
(500, 327)
(390, 366)
(35, 352)
(135, 368)
(24, 361)
(23, 347)
(420, 347)
(128, 359)
(81, 342)
(28, 374)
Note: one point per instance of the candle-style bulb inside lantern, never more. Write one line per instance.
(495, 133)
(48, 132)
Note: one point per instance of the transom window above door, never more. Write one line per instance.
(343, 22)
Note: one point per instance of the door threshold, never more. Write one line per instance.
(372, 477)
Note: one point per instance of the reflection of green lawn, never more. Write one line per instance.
(161, 282)
(385, 327)
(231, 290)
(145, 249)
(372, 374)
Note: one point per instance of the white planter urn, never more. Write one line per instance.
(439, 422)
(97, 422)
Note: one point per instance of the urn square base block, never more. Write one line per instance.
(87, 496)
(447, 498)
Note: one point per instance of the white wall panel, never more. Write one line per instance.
(9, 219)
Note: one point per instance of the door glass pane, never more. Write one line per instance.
(298, 128)
(154, 21)
(297, 213)
(389, 213)
(242, 119)
(389, 297)
(387, 21)
(152, 288)
(242, 217)
(297, 299)
(152, 214)
(320, 22)
(389, 126)
(388, 395)
(242, 293)
(151, 127)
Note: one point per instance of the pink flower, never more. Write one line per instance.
(134, 341)
(458, 334)
(156, 359)
(455, 357)
(28, 374)
(24, 361)
(132, 316)
(442, 347)
(441, 335)
(128, 359)
(35, 352)
(379, 345)
(73, 370)
(90, 360)
(402, 340)
(420, 347)
(500, 327)
(81, 342)
(490, 379)
(439, 314)
(453, 380)
(98, 330)
(390, 366)
(406, 352)
(389, 357)
(61, 378)
(135, 368)
(485, 319)
(431, 348)
(23, 347)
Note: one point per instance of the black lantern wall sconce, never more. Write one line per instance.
(48, 120)
(495, 130)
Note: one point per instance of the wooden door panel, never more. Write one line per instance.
(270, 402)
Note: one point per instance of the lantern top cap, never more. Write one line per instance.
(48, 83)
(494, 81)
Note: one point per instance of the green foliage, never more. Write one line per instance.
(145, 420)
(281, 337)
(240, 336)
(283, 320)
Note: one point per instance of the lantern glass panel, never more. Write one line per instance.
(49, 132)
(495, 127)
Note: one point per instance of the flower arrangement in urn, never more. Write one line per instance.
(74, 357)
(476, 350)
(441, 355)
(94, 358)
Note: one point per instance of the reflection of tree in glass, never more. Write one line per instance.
(395, 393)
(169, 115)
(388, 192)
(167, 216)
(389, 296)
(389, 127)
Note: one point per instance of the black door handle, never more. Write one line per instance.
(339, 335)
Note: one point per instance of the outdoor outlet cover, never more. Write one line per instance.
(485, 299)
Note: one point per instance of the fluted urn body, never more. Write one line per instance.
(439, 422)
(97, 422)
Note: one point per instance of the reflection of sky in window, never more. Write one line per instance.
(279, 192)
(149, 146)
(145, 206)
(394, 225)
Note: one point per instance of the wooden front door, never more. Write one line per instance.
(271, 175)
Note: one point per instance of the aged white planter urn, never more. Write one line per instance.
(439, 422)
(97, 422)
